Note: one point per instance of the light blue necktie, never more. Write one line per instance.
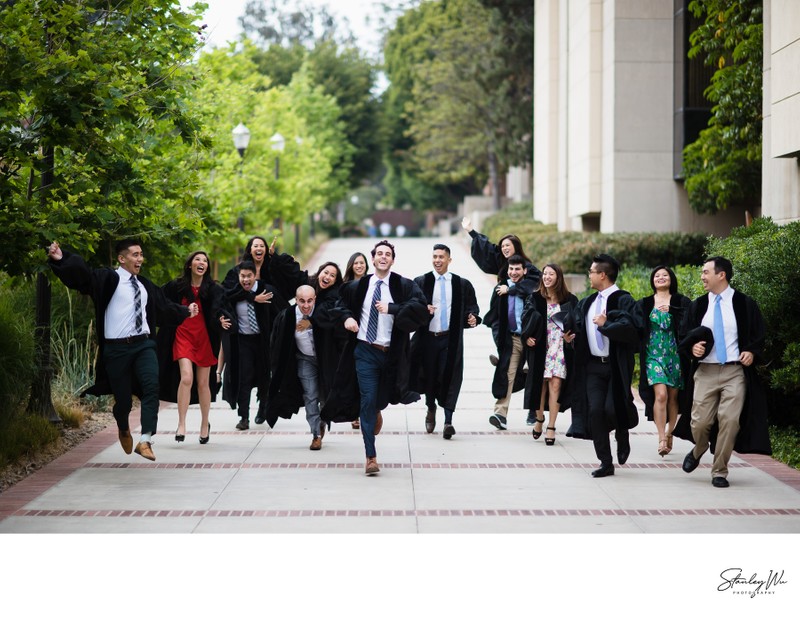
(719, 332)
(443, 318)
(601, 343)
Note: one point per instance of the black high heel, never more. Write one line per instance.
(204, 440)
(550, 440)
(179, 438)
(535, 434)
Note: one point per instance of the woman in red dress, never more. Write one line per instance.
(189, 351)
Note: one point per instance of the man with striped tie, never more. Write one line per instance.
(126, 308)
(381, 309)
(723, 333)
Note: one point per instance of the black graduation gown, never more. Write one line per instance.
(490, 260)
(410, 311)
(100, 284)
(463, 303)
(168, 369)
(265, 314)
(534, 325)
(753, 435)
(622, 328)
(286, 275)
(497, 319)
(678, 304)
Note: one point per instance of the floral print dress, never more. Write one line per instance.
(554, 364)
(663, 364)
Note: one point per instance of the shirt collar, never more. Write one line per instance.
(123, 273)
(445, 276)
(299, 315)
(608, 291)
(726, 294)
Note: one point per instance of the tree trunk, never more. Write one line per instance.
(494, 180)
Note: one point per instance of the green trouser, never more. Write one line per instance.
(124, 363)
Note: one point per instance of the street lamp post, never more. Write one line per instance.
(241, 139)
(278, 143)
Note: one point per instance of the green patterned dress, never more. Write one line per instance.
(663, 363)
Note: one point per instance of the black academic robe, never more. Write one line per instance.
(410, 311)
(622, 328)
(490, 260)
(285, 390)
(265, 315)
(462, 304)
(497, 319)
(534, 325)
(286, 275)
(678, 304)
(168, 369)
(100, 284)
(753, 436)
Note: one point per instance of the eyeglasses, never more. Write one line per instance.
(593, 271)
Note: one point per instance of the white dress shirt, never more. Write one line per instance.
(385, 321)
(120, 317)
(436, 322)
(729, 320)
(305, 338)
(591, 328)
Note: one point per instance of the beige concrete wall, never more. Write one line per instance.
(781, 107)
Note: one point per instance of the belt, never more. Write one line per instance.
(731, 363)
(601, 359)
(384, 348)
(127, 341)
(438, 334)
(515, 335)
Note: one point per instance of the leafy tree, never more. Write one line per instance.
(723, 166)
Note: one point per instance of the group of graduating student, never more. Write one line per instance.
(351, 345)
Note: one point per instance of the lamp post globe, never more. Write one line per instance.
(241, 138)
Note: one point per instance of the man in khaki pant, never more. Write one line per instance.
(727, 334)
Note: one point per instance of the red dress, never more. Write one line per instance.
(191, 338)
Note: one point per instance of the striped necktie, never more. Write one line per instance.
(251, 318)
(372, 324)
(137, 304)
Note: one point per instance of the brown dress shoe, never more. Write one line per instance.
(356, 424)
(143, 449)
(378, 423)
(430, 420)
(126, 441)
(316, 443)
(372, 466)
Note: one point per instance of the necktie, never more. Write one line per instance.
(137, 304)
(512, 313)
(719, 333)
(601, 343)
(372, 324)
(251, 318)
(443, 317)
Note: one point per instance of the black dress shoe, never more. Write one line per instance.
(690, 463)
(244, 424)
(603, 471)
(623, 452)
(719, 481)
(449, 431)
(259, 420)
(430, 420)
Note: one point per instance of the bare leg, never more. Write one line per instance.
(660, 416)
(184, 392)
(537, 426)
(204, 396)
(554, 388)
(672, 414)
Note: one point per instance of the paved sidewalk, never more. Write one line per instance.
(483, 481)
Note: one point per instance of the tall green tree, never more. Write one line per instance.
(723, 166)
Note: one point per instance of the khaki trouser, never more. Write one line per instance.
(719, 392)
(501, 405)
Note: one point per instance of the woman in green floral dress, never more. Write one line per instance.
(662, 376)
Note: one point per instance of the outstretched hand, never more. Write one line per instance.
(466, 224)
(54, 252)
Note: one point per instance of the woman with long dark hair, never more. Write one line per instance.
(189, 351)
(549, 358)
(356, 268)
(662, 370)
(493, 258)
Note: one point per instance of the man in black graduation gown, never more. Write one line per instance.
(380, 310)
(723, 334)
(437, 350)
(605, 327)
(251, 307)
(127, 306)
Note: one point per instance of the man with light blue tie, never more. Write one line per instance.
(437, 350)
(381, 309)
(723, 332)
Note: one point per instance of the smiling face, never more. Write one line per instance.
(258, 249)
(516, 271)
(549, 277)
(507, 248)
(305, 299)
(247, 279)
(441, 261)
(382, 260)
(131, 259)
(199, 265)
(327, 277)
(713, 281)
(661, 280)
(359, 267)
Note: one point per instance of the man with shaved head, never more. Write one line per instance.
(295, 361)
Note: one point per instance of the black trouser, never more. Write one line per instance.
(250, 369)
(123, 362)
(434, 359)
(601, 406)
